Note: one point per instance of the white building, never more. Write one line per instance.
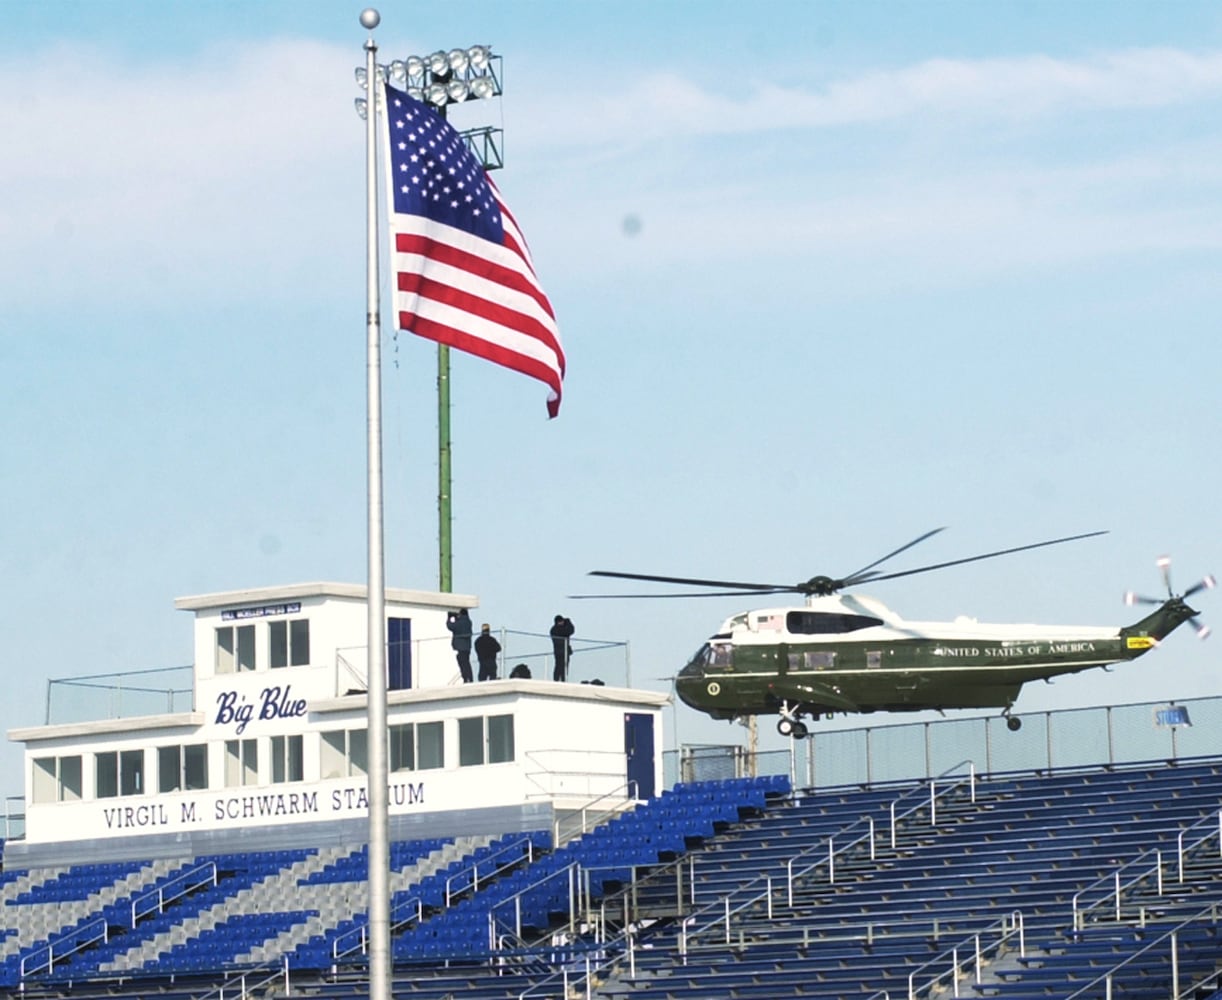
(273, 752)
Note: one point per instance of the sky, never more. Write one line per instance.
(828, 275)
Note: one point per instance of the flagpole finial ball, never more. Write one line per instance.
(370, 18)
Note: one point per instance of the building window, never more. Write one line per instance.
(290, 643)
(403, 747)
(235, 648)
(418, 747)
(345, 754)
(471, 741)
(182, 768)
(57, 779)
(430, 746)
(118, 773)
(485, 740)
(500, 739)
(241, 762)
(287, 759)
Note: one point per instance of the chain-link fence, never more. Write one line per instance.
(1085, 737)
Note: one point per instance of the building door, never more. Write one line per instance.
(638, 746)
(398, 654)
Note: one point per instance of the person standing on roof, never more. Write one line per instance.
(561, 632)
(486, 648)
(459, 624)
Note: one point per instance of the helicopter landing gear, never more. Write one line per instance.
(791, 724)
(1013, 722)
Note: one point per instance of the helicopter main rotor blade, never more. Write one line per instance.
(987, 555)
(749, 587)
(862, 574)
(1208, 583)
(703, 593)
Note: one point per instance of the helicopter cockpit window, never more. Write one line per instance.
(721, 655)
(822, 622)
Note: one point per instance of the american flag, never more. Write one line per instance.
(463, 273)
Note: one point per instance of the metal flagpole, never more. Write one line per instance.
(379, 843)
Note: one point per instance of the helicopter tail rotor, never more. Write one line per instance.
(1173, 599)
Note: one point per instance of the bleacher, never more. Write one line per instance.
(1015, 885)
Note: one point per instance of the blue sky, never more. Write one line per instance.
(897, 266)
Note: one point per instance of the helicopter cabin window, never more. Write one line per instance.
(874, 659)
(823, 623)
(813, 659)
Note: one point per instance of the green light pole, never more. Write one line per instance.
(439, 80)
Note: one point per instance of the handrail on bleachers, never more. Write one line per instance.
(51, 952)
(626, 792)
(828, 852)
(1008, 924)
(398, 917)
(570, 870)
(472, 871)
(1209, 912)
(185, 882)
(970, 779)
(1214, 820)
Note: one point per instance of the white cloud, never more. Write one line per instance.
(242, 169)
(1001, 88)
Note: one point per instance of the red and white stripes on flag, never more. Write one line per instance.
(462, 271)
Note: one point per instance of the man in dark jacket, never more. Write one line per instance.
(561, 631)
(486, 648)
(460, 627)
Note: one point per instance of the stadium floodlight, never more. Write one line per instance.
(362, 76)
(469, 74)
(439, 63)
(479, 56)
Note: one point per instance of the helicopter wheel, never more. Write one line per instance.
(800, 731)
(1014, 723)
(786, 727)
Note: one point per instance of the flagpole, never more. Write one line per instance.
(379, 806)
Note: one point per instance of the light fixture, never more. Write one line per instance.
(362, 107)
(439, 63)
(444, 77)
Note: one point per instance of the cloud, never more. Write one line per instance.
(241, 172)
(123, 178)
(1017, 88)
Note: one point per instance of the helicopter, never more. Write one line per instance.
(842, 652)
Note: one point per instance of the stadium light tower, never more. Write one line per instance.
(440, 80)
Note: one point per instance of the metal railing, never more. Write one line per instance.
(502, 860)
(155, 900)
(969, 954)
(720, 914)
(1170, 937)
(1048, 741)
(1148, 866)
